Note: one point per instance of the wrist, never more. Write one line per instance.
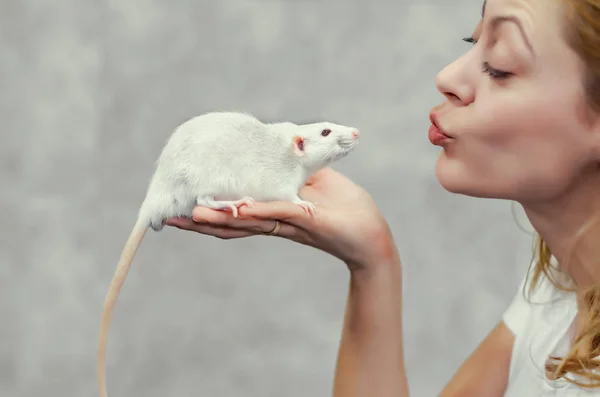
(383, 268)
(381, 254)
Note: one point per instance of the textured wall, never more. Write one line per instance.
(91, 89)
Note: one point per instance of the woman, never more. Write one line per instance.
(519, 123)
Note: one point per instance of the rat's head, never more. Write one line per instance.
(320, 144)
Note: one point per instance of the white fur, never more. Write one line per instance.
(226, 156)
(220, 158)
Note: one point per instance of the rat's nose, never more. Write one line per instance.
(355, 134)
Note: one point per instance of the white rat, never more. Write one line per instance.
(223, 160)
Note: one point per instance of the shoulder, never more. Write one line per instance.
(528, 303)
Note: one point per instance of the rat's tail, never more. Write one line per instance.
(129, 251)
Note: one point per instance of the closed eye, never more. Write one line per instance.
(470, 39)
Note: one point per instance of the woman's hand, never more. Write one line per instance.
(347, 223)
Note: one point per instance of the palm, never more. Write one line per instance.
(347, 223)
(347, 218)
(334, 192)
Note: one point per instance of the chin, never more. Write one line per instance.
(509, 183)
(463, 187)
(454, 178)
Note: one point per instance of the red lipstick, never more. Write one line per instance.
(436, 135)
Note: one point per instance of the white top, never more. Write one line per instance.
(542, 325)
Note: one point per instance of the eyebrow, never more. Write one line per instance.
(500, 19)
(510, 18)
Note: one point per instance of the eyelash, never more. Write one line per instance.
(486, 68)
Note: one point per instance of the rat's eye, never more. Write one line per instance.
(325, 132)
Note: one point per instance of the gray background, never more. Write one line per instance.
(89, 92)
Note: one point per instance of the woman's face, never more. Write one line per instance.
(515, 107)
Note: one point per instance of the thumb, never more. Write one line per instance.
(285, 211)
(319, 175)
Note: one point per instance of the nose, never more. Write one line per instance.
(456, 81)
(355, 134)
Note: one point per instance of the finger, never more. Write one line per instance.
(285, 211)
(251, 217)
(208, 215)
(221, 232)
(226, 218)
(246, 226)
(319, 174)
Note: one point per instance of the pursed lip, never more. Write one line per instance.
(434, 120)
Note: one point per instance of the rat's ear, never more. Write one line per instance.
(298, 143)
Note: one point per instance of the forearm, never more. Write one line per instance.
(371, 354)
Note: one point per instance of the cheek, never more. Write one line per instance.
(520, 151)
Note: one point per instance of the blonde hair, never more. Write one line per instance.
(583, 357)
(582, 31)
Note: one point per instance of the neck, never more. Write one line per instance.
(570, 225)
